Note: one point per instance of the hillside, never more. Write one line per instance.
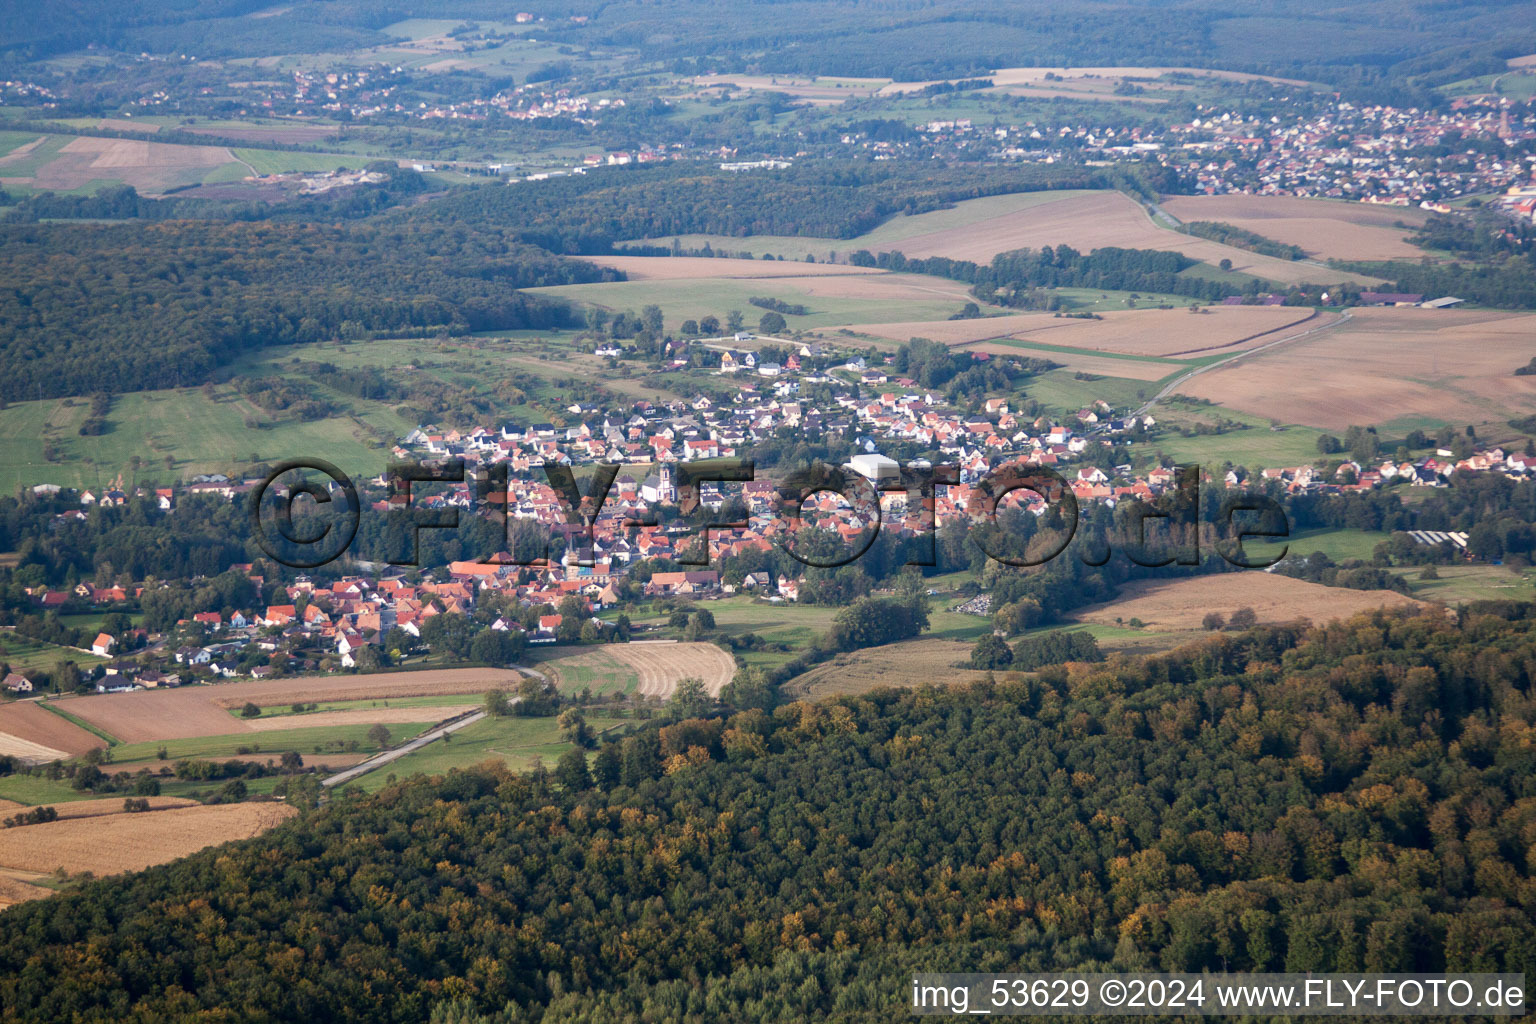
(1355, 797)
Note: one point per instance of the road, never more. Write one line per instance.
(1181, 379)
(380, 760)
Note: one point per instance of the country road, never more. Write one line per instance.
(1343, 318)
(380, 760)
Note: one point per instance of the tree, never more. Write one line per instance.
(1243, 618)
(689, 700)
(771, 323)
(1327, 444)
(734, 321)
(449, 632)
(368, 659)
(608, 766)
(250, 710)
(574, 728)
(379, 735)
(494, 647)
(571, 770)
(710, 326)
(689, 328)
(652, 317)
(991, 652)
(1214, 620)
(496, 703)
(750, 689)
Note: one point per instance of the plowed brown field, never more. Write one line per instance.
(32, 732)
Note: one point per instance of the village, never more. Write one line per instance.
(637, 547)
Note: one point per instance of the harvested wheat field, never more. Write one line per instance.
(32, 733)
(1098, 219)
(1103, 366)
(1171, 332)
(908, 663)
(190, 711)
(956, 332)
(1183, 603)
(1453, 366)
(116, 843)
(661, 666)
(677, 268)
(114, 805)
(1325, 228)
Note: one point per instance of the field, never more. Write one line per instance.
(1180, 605)
(978, 229)
(320, 744)
(955, 332)
(144, 716)
(85, 163)
(677, 268)
(1328, 229)
(833, 299)
(33, 733)
(916, 662)
(893, 234)
(102, 806)
(1386, 365)
(25, 654)
(197, 433)
(115, 843)
(1164, 333)
(518, 743)
(651, 669)
(812, 90)
(1339, 545)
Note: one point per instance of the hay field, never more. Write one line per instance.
(674, 268)
(908, 663)
(1170, 332)
(33, 733)
(1181, 604)
(1094, 220)
(150, 167)
(661, 666)
(189, 712)
(1325, 228)
(1450, 366)
(120, 842)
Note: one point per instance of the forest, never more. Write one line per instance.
(1349, 797)
(136, 305)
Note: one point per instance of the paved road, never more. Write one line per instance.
(380, 760)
